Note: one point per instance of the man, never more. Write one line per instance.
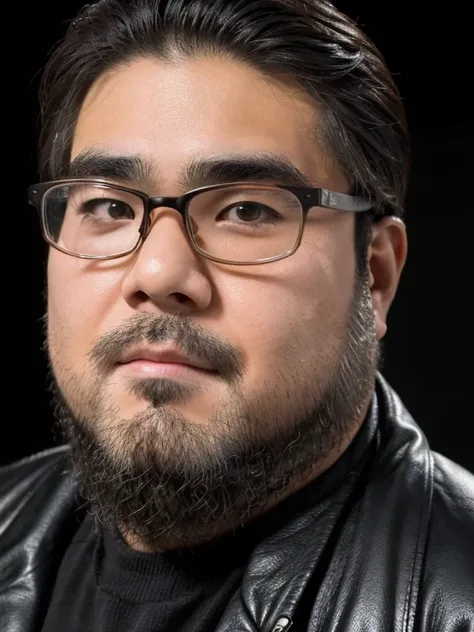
(222, 191)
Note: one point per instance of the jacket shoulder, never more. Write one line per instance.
(30, 470)
(447, 594)
(33, 461)
(33, 491)
(38, 516)
(453, 479)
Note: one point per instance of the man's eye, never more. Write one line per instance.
(108, 209)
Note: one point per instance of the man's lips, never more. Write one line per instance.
(163, 362)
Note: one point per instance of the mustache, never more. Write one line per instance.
(180, 331)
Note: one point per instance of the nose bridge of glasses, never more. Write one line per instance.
(163, 203)
(166, 202)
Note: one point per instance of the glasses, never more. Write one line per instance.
(240, 223)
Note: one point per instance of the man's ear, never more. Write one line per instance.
(385, 258)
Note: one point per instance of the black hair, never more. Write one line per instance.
(361, 114)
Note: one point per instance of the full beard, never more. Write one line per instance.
(163, 479)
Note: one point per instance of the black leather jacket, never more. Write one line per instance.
(399, 557)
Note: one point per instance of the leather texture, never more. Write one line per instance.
(399, 557)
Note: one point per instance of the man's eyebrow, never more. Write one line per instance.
(135, 170)
(242, 167)
(93, 163)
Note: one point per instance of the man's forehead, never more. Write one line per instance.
(130, 114)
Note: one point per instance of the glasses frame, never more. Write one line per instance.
(308, 198)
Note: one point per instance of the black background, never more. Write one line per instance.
(430, 324)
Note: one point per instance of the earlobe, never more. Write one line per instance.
(386, 258)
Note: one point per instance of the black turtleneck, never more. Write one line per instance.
(104, 586)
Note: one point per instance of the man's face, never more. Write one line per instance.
(278, 335)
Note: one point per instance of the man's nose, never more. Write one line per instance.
(166, 270)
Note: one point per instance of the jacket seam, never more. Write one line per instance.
(412, 593)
